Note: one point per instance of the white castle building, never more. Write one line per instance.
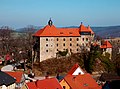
(50, 40)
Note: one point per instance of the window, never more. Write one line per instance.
(83, 39)
(46, 50)
(64, 44)
(61, 32)
(83, 44)
(77, 49)
(70, 44)
(77, 39)
(63, 87)
(70, 39)
(77, 44)
(46, 39)
(64, 39)
(57, 45)
(57, 39)
(86, 39)
(104, 49)
(47, 45)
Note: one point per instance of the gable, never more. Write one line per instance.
(64, 83)
(78, 71)
(75, 70)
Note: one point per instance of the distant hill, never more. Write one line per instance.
(104, 32)
(29, 28)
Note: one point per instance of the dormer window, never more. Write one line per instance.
(70, 33)
(61, 32)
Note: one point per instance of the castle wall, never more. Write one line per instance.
(49, 46)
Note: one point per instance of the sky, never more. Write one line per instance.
(21, 13)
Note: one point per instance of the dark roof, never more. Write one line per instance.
(6, 79)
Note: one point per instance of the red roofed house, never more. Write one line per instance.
(50, 83)
(84, 81)
(50, 39)
(30, 85)
(106, 47)
(76, 70)
(19, 76)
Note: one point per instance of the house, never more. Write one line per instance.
(106, 48)
(84, 81)
(19, 76)
(7, 81)
(76, 70)
(50, 83)
(50, 40)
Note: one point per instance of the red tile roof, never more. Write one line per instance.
(84, 81)
(90, 30)
(53, 31)
(50, 83)
(17, 75)
(31, 85)
(106, 44)
(72, 70)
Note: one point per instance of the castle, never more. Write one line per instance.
(50, 40)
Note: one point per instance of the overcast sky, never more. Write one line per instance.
(20, 13)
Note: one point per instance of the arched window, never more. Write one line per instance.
(57, 39)
(46, 39)
(70, 39)
(77, 39)
(64, 39)
(70, 44)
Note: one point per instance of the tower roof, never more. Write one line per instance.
(83, 28)
(90, 29)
